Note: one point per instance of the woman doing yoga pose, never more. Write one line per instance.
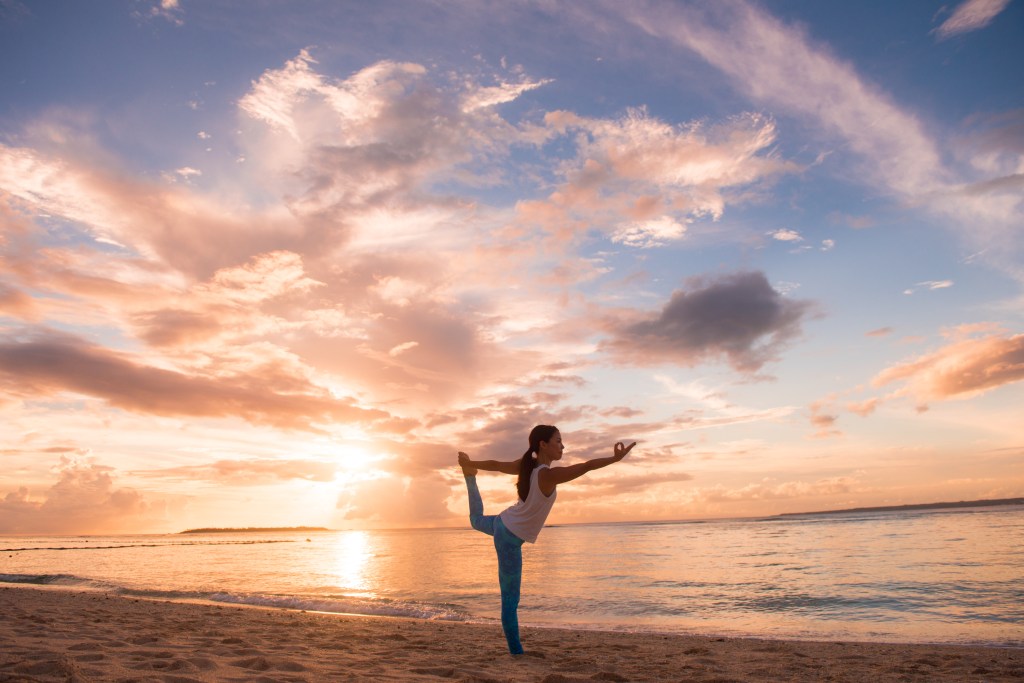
(522, 522)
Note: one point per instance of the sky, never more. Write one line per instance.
(274, 264)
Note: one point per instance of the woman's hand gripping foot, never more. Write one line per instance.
(467, 465)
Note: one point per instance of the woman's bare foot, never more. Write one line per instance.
(467, 468)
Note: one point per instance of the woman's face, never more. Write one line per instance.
(553, 448)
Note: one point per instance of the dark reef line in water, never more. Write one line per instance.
(917, 506)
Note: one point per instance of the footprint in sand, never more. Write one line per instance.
(95, 657)
(202, 664)
(439, 671)
(264, 664)
(609, 676)
(142, 640)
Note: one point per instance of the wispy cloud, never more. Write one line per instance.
(970, 16)
(824, 417)
(781, 66)
(969, 366)
(168, 10)
(643, 180)
(929, 285)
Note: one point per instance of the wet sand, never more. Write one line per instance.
(71, 636)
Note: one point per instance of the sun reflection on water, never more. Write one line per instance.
(352, 554)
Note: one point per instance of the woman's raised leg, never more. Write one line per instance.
(477, 519)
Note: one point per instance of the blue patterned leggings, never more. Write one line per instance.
(510, 564)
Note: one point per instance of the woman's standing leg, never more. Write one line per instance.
(510, 577)
(510, 562)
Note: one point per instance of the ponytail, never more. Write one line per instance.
(526, 467)
(529, 463)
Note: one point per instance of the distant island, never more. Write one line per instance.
(918, 506)
(253, 530)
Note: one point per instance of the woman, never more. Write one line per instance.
(522, 522)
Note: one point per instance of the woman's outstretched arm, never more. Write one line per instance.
(489, 465)
(552, 477)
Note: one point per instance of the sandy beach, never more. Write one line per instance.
(60, 635)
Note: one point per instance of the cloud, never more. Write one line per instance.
(279, 95)
(16, 303)
(391, 500)
(930, 285)
(864, 408)
(879, 332)
(491, 96)
(402, 348)
(342, 237)
(166, 224)
(47, 364)
(84, 500)
(169, 10)
(643, 179)
(768, 489)
(739, 317)
(186, 172)
(619, 484)
(781, 66)
(230, 302)
(786, 235)
(970, 16)
(330, 161)
(648, 234)
(247, 472)
(964, 368)
(824, 419)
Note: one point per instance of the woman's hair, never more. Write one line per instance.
(537, 434)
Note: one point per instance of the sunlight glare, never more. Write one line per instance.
(351, 556)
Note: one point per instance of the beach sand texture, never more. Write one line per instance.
(59, 635)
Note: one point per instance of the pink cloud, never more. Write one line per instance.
(864, 408)
(768, 489)
(15, 302)
(46, 364)
(643, 180)
(255, 472)
(393, 500)
(823, 418)
(83, 500)
(965, 368)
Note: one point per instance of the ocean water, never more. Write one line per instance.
(954, 576)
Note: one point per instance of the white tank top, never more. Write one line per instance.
(526, 518)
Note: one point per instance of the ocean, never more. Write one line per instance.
(924, 576)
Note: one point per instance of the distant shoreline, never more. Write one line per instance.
(916, 506)
(253, 529)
